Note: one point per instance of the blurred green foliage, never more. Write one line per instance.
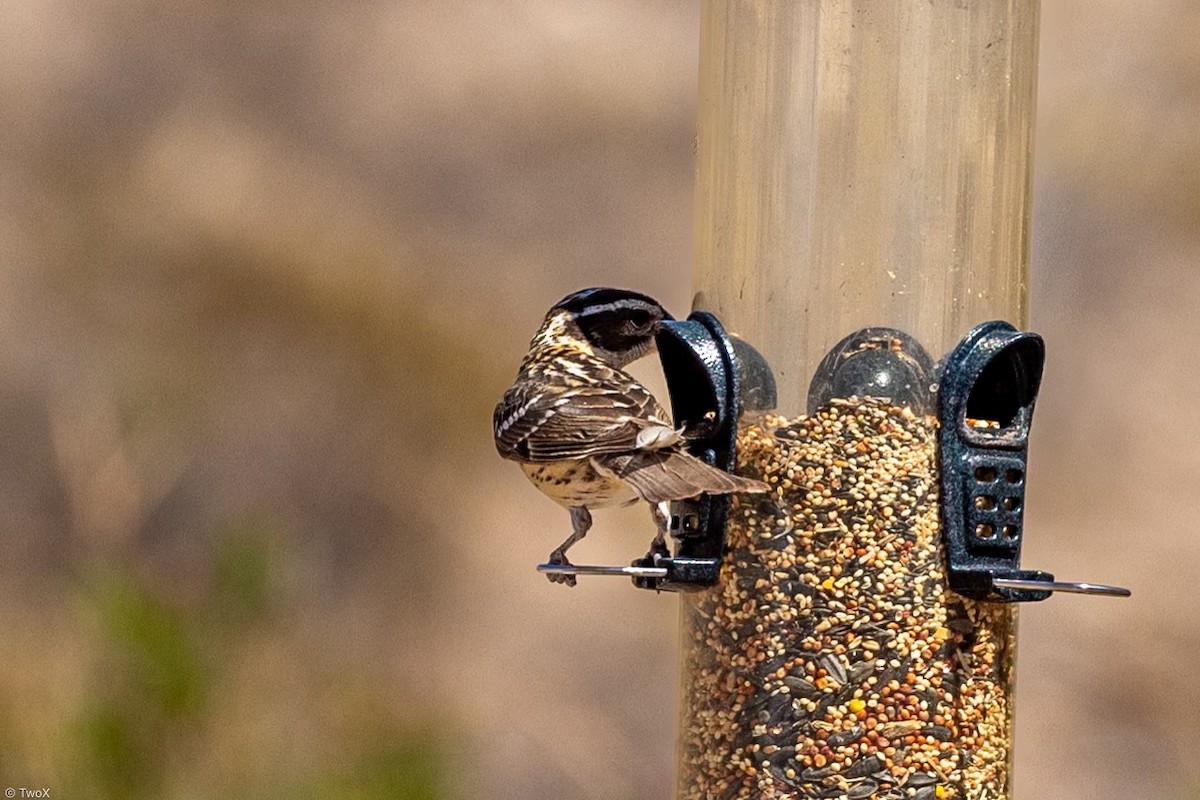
(159, 661)
(408, 765)
(151, 684)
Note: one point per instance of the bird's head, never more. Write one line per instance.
(617, 325)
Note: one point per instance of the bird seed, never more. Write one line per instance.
(832, 660)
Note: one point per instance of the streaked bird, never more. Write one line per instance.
(585, 431)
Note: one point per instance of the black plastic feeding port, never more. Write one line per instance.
(704, 371)
(986, 392)
(874, 362)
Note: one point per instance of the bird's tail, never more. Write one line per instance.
(658, 476)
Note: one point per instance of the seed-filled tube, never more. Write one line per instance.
(832, 660)
(861, 167)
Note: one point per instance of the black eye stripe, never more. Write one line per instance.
(613, 330)
(603, 320)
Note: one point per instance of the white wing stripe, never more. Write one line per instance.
(516, 415)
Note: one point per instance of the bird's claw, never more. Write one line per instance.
(559, 557)
(658, 551)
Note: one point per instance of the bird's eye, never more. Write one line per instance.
(640, 318)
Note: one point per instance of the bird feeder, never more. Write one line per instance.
(862, 248)
(857, 343)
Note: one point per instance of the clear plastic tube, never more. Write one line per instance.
(862, 165)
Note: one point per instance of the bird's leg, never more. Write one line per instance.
(661, 515)
(581, 521)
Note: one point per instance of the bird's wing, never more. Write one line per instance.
(562, 411)
(659, 476)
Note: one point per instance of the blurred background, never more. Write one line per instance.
(265, 269)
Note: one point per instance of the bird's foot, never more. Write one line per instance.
(658, 545)
(658, 551)
(560, 557)
(661, 513)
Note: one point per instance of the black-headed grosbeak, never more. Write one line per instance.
(585, 431)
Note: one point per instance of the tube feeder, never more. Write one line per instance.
(862, 240)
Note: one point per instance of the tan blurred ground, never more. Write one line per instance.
(264, 269)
